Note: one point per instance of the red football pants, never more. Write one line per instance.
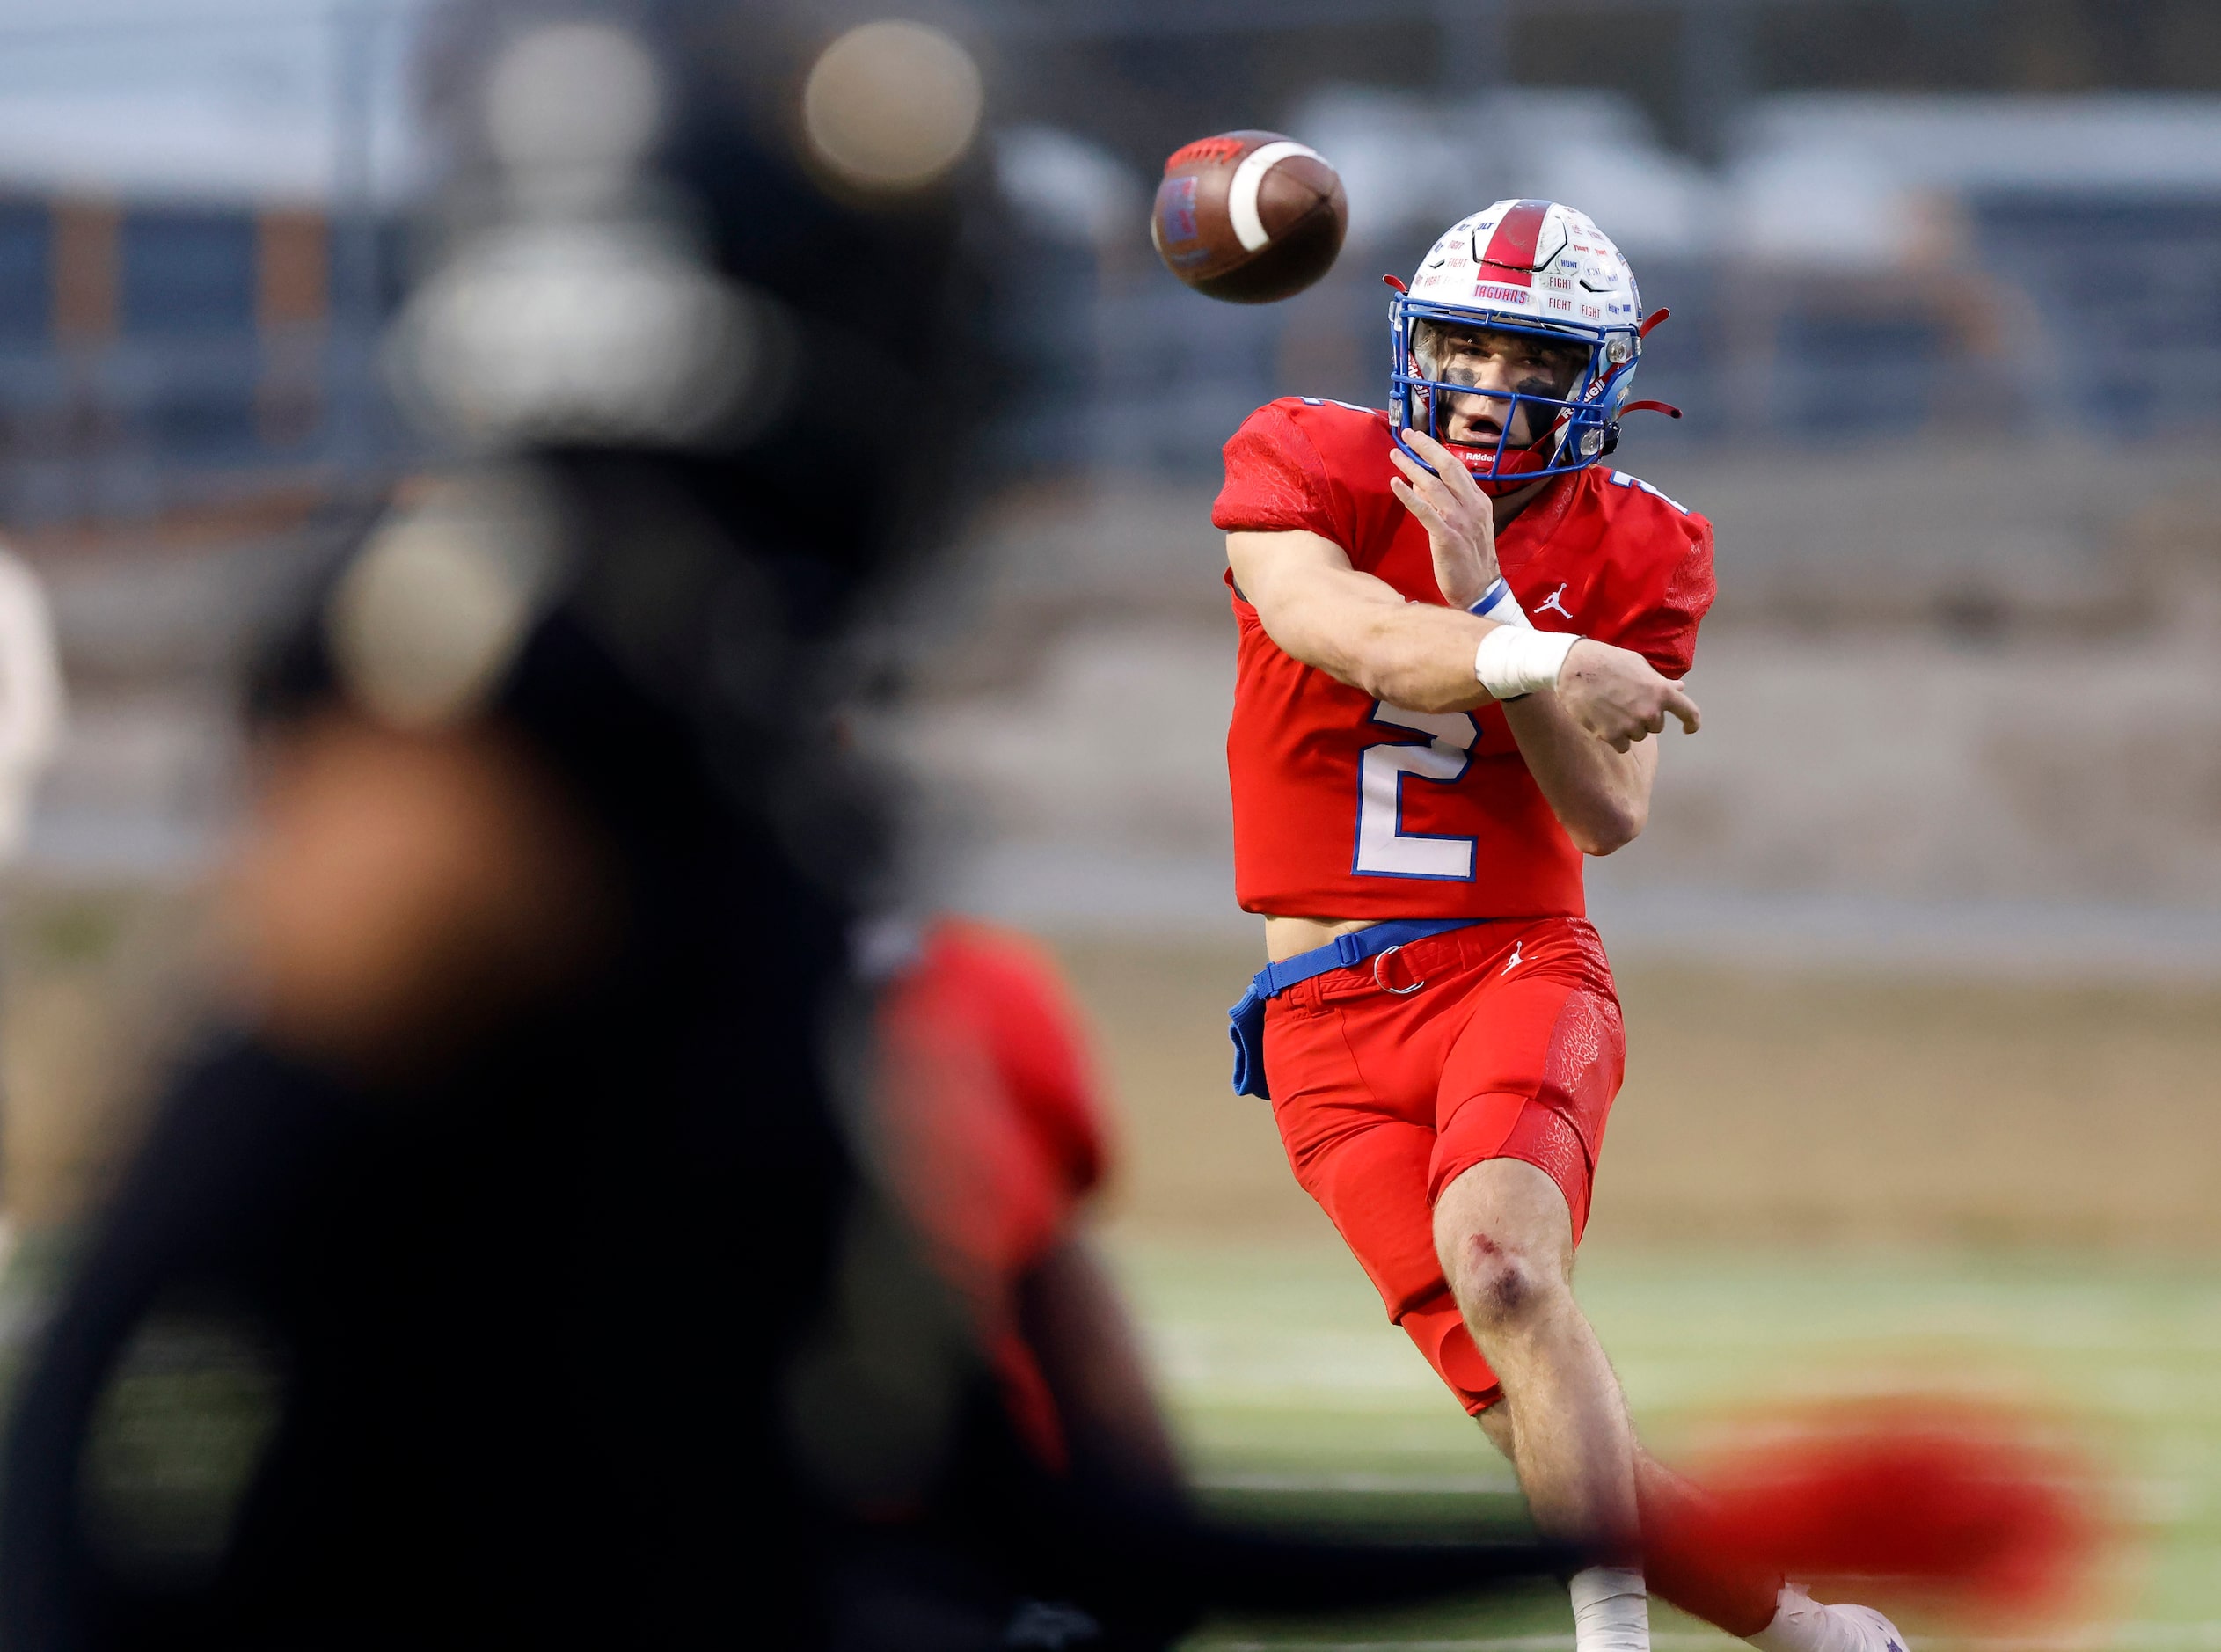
(1390, 1079)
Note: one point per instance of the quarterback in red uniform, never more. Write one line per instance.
(1457, 631)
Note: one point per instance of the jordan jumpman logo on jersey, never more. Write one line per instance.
(1554, 600)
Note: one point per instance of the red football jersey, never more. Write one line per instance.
(994, 1120)
(993, 1130)
(1345, 807)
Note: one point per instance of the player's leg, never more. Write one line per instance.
(1677, 1565)
(1527, 1088)
(1723, 1590)
(1543, 1443)
(1673, 1513)
(1504, 1236)
(1355, 1070)
(1522, 1100)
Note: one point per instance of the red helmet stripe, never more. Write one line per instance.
(1511, 250)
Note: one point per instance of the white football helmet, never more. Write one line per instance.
(1537, 268)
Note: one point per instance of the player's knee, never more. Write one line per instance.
(1502, 1288)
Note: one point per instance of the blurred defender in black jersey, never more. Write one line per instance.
(533, 1191)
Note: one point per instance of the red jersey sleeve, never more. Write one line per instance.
(993, 1128)
(991, 1132)
(1040, 1045)
(1277, 482)
(1665, 632)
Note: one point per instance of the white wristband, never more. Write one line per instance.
(1510, 662)
(1611, 1610)
(1498, 603)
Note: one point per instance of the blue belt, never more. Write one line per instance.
(1246, 1022)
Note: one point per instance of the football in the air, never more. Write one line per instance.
(1248, 217)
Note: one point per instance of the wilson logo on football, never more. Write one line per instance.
(1176, 211)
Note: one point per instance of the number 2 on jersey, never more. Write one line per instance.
(1383, 848)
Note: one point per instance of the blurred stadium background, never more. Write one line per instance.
(1922, 952)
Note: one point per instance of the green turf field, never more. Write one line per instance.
(1294, 1393)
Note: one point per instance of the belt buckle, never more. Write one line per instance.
(1381, 958)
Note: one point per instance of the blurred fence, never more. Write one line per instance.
(198, 250)
(144, 430)
(2094, 315)
(189, 307)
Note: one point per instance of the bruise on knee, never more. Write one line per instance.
(1496, 1285)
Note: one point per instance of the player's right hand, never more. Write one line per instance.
(1618, 696)
(1459, 519)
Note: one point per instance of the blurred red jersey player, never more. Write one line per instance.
(992, 1131)
(1418, 768)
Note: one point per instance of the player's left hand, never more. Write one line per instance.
(1459, 519)
(1620, 697)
